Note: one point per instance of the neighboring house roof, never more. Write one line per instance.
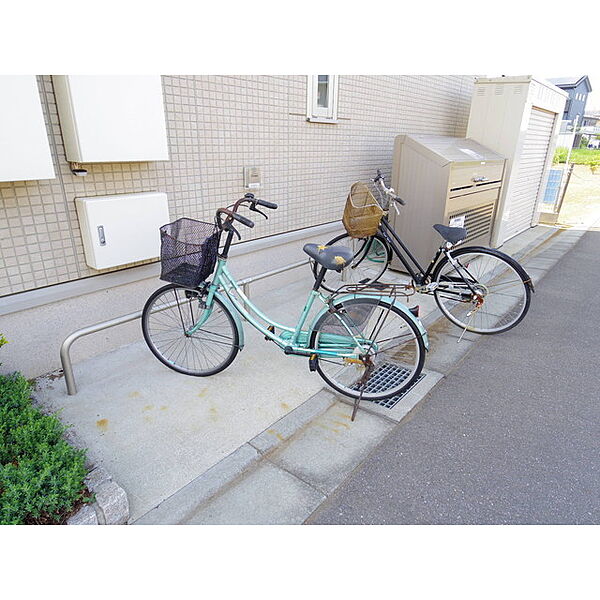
(570, 82)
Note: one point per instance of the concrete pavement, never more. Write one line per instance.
(510, 435)
(175, 443)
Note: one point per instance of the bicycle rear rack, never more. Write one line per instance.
(377, 289)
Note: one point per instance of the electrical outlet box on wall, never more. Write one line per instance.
(121, 229)
(112, 118)
(24, 147)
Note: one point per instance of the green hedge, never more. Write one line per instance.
(41, 475)
(579, 156)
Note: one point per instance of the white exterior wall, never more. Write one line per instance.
(216, 125)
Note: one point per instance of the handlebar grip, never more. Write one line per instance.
(243, 220)
(399, 200)
(266, 204)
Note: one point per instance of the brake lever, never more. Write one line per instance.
(260, 212)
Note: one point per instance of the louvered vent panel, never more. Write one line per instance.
(478, 221)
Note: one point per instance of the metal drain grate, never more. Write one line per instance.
(391, 402)
(386, 374)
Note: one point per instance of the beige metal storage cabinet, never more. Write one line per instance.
(520, 118)
(443, 179)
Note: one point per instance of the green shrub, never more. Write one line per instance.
(560, 155)
(3, 341)
(41, 475)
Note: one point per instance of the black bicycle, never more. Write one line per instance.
(479, 289)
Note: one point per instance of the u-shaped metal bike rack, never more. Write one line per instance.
(65, 348)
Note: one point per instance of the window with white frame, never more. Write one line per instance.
(322, 98)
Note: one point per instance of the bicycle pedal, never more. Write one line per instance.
(414, 310)
(312, 363)
(272, 330)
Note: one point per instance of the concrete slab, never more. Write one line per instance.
(177, 444)
(156, 430)
(406, 403)
(331, 446)
(446, 348)
(542, 261)
(266, 495)
(181, 505)
(291, 423)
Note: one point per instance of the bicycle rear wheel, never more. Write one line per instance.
(396, 354)
(170, 313)
(371, 258)
(502, 292)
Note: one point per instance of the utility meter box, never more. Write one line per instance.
(121, 229)
(449, 180)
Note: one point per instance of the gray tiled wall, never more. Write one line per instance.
(216, 126)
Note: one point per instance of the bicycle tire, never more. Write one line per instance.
(395, 367)
(228, 336)
(521, 280)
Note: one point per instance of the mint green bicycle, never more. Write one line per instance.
(363, 344)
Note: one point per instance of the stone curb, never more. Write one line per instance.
(111, 506)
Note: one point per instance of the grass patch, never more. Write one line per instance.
(579, 156)
(41, 475)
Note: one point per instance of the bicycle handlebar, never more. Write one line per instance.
(389, 192)
(233, 215)
(266, 204)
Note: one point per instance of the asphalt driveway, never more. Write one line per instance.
(511, 436)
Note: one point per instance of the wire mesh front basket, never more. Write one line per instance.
(362, 212)
(188, 251)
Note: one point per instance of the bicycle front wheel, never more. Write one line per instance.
(167, 318)
(484, 293)
(395, 349)
(371, 258)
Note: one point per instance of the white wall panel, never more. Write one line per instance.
(112, 118)
(24, 147)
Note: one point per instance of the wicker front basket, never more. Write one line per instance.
(362, 212)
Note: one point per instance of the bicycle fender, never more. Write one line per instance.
(384, 300)
(517, 265)
(236, 317)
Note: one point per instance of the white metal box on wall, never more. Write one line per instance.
(121, 229)
(112, 118)
(24, 147)
(447, 180)
(520, 118)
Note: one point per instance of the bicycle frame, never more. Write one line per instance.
(292, 340)
(398, 246)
